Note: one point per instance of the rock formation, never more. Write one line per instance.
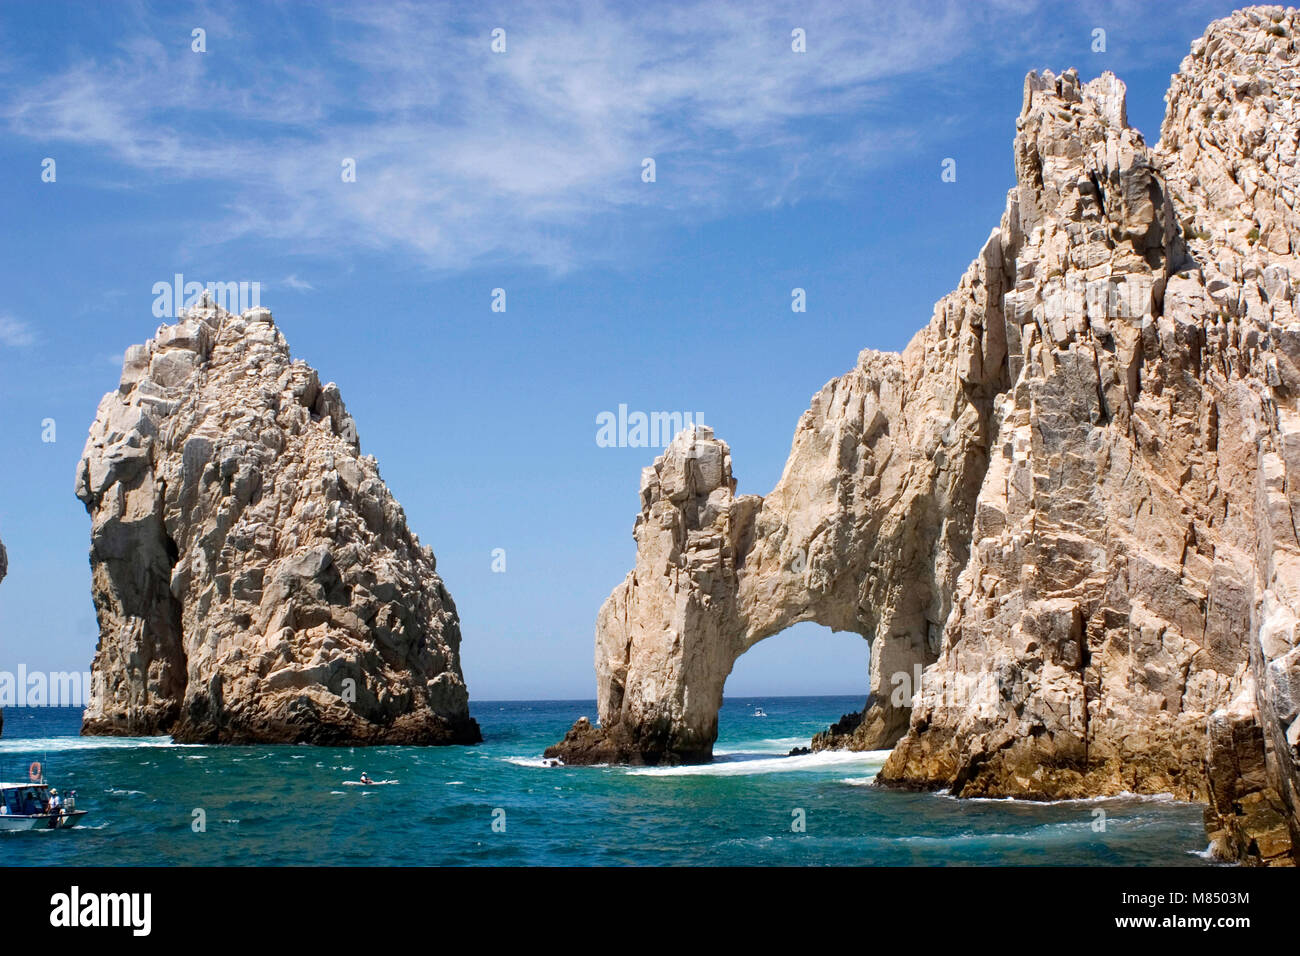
(1071, 500)
(4, 569)
(253, 578)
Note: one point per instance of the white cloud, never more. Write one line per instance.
(14, 333)
(464, 156)
(298, 285)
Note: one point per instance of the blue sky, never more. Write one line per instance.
(522, 171)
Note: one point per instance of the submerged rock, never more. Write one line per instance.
(254, 580)
(1065, 515)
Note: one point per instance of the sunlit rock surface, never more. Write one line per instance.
(1071, 500)
(253, 577)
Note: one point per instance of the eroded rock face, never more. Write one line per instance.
(253, 578)
(866, 531)
(4, 569)
(1071, 499)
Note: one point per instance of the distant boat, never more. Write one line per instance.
(759, 712)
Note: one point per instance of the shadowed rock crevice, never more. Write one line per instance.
(253, 578)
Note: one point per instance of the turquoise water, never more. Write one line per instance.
(291, 805)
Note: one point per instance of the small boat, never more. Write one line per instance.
(759, 712)
(25, 806)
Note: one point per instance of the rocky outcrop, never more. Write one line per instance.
(1244, 815)
(1065, 515)
(866, 531)
(4, 569)
(253, 578)
(690, 535)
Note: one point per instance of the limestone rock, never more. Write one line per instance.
(4, 569)
(1244, 816)
(1065, 515)
(253, 578)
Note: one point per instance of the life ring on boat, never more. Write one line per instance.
(34, 771)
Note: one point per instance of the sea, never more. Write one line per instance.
(154, 802)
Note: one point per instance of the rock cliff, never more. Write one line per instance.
(4, 569)
(1065, 515)
(253, 578)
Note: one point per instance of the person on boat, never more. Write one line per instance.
(56, 803)
(365, 778)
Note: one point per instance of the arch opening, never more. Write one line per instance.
(791, 686)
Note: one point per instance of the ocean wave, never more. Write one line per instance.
(773, 745)
(1061, 831)
(1124, 795)
(742, 764)
(531, 761)
(39, 745)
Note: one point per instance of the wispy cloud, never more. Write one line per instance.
(14, 333)
(465, 156)
(298, 285)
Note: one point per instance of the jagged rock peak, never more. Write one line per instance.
(1065, 516)
(254, 580)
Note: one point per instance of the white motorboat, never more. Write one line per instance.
(27, 806)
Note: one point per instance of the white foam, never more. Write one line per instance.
(771, 745)
(743, 764)
(531, 761)
(30, 745)
(1124, 795)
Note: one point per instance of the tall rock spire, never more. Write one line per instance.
(254, 579)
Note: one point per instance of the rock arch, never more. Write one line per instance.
(865, 531)
(1076, 486)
